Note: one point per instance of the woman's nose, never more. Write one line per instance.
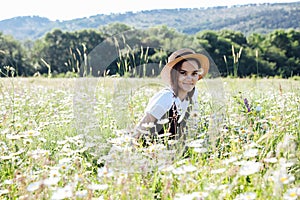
(189, 76)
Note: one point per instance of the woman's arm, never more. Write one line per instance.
(158, 105)
(142, 126)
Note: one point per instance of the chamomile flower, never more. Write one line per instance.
(218, 171)
(250, 167)
(184, 169)
(97, 186)
(34, 186)
(163, 121)
(271, 160)
(62, 193)
(191, 196)
(81, 193)
(5, 191)
(200, 150)
(250, 153)
(246, 196)
(104, 171)
(148, 125)
(292, 194)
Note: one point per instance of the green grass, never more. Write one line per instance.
(56, 139)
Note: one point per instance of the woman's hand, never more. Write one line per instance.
(143, 126)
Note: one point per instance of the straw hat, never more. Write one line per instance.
(186, 54)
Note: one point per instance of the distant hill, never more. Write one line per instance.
(259, 18)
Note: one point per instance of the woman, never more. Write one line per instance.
(168, 110)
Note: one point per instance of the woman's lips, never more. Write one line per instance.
(188, 83)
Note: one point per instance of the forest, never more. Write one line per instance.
(133, 52)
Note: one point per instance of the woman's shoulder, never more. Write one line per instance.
(164, 94)
(160, 103)
(164, 98)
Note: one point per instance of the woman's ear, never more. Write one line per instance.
(200, 77)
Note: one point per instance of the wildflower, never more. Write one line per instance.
(218, 171)
(270, 160)
(286, 178)
(61, 142)
(172, 142)
(194, 114)
(286, 145)
(54, 177)
(13, 137)
(167, 168)
(65, 160)
(196, 143)
(250, 153)
(258, 108)
(104, 171)
(246, 196)
(163, 121)
(35, 154)
(230, 160)
(184, 169)
(31, 133)
(27, 141)
(200, 150)
(18, 126)
(292, 194)
(283, 162)
(6, 157)
(155, 148)
(64, 166)
(224, 187)
(250, 167)
(43, 140)
(90, 144)
(97, 186)
(81, 193)
(8, 182)
(210, 187)
(164, 135)
(62, 193)
(148, 125)
(5, 131)
(51, 181)
(121, 178)
(34, 186)
(247, 105)
(194, 195)
(4, 192)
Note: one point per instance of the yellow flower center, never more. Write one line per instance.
(293, 194)
(283, 179)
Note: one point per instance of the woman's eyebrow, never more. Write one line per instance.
(182, 70)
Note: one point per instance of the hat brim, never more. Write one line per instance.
(202, 59)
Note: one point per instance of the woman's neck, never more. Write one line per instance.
(181, 94)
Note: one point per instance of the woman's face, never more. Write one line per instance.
(188, 76)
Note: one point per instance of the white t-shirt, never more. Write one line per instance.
(162, 102)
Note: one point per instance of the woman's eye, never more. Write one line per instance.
(183, 72)
(195, 73)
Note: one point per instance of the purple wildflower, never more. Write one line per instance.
(247, 104)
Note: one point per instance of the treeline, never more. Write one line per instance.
(123, 50)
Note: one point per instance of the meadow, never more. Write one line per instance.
(69, 138)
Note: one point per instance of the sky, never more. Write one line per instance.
(72, 9)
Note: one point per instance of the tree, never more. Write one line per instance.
(64, 51)
(12, 54)
(236, 37)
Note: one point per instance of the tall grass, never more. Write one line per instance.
(236, 57)
(44, 155)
